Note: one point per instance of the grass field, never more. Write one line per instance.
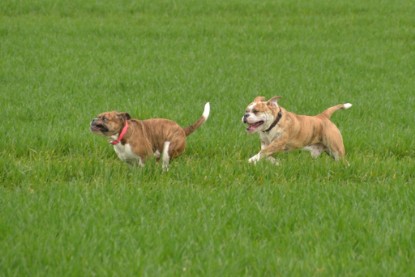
(69, 207)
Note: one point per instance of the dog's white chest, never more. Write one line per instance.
(125, 153)
(267, 138)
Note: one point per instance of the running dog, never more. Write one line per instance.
(136, 140)
(281, 130)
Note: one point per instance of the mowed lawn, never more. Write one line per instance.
(69, 207)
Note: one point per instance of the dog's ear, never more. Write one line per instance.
(273, 101)
(125, 116)
(259, 99)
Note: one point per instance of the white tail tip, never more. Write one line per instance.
(347, 105)
(206, 111)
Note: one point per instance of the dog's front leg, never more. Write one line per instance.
(254, 159)
(259, 156)
(166, 157)
(267, 151)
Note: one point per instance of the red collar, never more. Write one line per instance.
(123, 131)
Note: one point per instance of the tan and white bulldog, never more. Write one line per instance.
(135, 140)
(281, 130)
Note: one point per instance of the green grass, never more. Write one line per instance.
(69, 207)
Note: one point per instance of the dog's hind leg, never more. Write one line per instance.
(334, 143)
(336, 151)
(166, 156)
(315, 150)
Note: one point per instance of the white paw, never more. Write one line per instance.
(254, 159)
(157, 154)
(273, 160)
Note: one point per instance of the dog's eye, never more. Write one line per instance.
(105, 119)
(254, 111)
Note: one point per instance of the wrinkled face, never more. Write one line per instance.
(260, 114)
(108, 123)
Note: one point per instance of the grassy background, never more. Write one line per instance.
(69, 207)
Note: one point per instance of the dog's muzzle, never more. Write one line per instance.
(245, 118)
(97, 127)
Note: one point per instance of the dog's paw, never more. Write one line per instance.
(273, 160)
(254, 159)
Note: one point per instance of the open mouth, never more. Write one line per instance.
(98, 128)
(252, 127)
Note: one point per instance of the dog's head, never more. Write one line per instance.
(260, 114)
(109, 123)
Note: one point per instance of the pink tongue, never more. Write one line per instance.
(251, 127)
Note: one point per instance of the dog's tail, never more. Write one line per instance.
(328, 113)
(190, 129)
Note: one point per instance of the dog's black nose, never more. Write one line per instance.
(245, 117)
